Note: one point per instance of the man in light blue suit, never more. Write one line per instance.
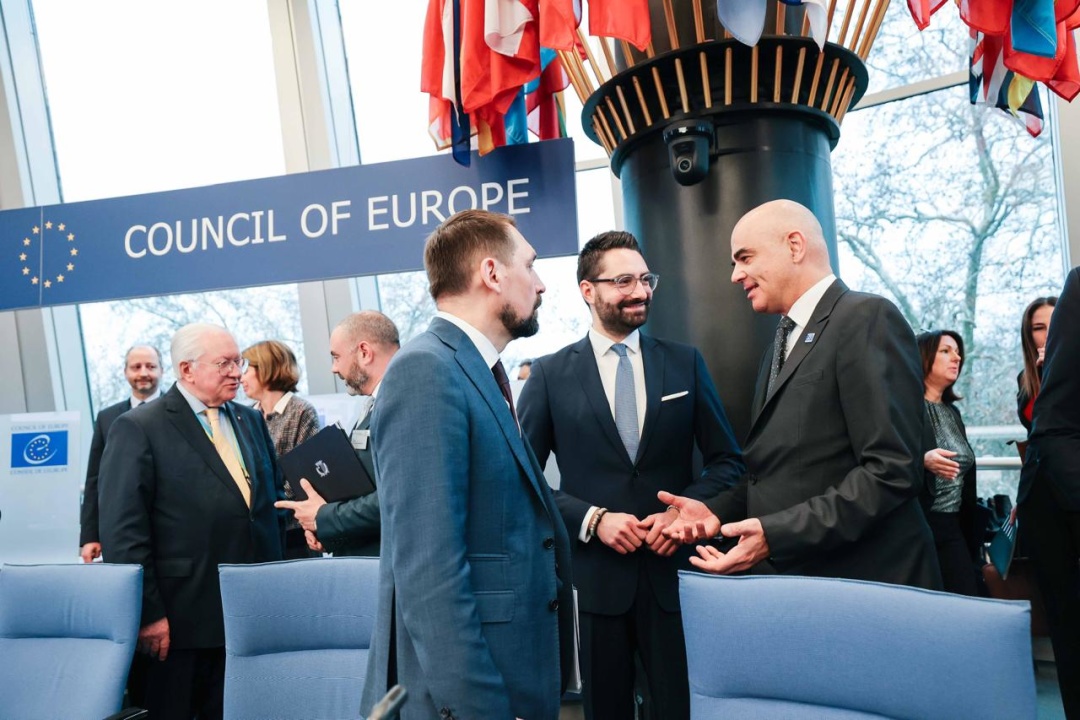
(475, 601)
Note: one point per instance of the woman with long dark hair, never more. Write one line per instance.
(949, 463)
(1033, 330)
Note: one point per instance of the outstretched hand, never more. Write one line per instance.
(695, 521)
(753, 547)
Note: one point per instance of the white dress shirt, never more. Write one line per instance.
(607, 362)
(803, 309)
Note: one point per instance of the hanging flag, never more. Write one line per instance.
(921, 10)
(744, 19)
(817, 14)
(439, 78)
(624, 19)
(546, 119)
(991, 83)
(1034, 27)
(504, 25)
(990, 17)
(516, 121)
(559, 20)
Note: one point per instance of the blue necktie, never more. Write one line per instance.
(626, 402)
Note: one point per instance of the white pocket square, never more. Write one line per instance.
(673, 396)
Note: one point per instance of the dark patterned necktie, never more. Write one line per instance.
(783, 330)
(504, 384)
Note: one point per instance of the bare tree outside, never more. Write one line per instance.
(251, 315)
(952, 211)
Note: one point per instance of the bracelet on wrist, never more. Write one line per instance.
(595, 522)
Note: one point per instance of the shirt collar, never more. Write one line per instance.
(197, 405)
(804, 307)
(485, 346)
(136, 402)
(601, 343)
(279, 406)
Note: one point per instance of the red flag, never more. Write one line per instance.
(990, 17)
(921, 10)
(559, 20)
(1066, 81)
(624, 19)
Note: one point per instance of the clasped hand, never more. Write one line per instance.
(624, 533)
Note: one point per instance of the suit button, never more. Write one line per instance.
(553, 605)
(753, 479)
(635, 475)
(549, 543)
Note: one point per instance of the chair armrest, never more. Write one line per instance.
(130, 714)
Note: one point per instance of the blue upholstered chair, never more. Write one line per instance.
(297, 635)
(798, 647)
(67, 634)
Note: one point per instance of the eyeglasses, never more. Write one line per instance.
(627, 283)
(224, 367)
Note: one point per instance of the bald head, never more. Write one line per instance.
(779, 252)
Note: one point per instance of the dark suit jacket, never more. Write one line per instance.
(835, 452)
(474, 577)
(88, 519)
(1054, 444)
(174, 509)
(351, 527)
(564, 410)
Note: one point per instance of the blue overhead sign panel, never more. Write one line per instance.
(361, 220)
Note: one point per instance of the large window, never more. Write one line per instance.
(952, 211)
(146, 97)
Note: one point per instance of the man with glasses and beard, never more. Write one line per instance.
(475, 600)
(361, 347)
(622, 412)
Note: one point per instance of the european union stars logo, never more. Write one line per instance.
(32, 266)
(39, 449)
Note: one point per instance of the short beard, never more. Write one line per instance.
(517, 326)
(355, 381)
(612, 320)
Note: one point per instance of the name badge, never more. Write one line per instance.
(360, 439)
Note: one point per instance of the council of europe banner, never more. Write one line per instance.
(360, 220)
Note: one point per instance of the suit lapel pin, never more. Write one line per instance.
(809, 338)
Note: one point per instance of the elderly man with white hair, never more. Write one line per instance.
(192, 481)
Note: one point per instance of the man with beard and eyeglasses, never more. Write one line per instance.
(361, 347)
(622, 412)
(475, 600)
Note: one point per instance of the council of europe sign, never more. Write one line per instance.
(360, 220)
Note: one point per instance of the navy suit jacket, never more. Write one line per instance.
(835, 451)
(88, 517)
(474, 579)
(564, 410)
(175, 509)
(1054, 445)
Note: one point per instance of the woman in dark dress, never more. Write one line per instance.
(1033, 341)
(949, 463)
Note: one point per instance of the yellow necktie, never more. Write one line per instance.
(225, 450)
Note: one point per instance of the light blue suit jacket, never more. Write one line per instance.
(475, 567)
